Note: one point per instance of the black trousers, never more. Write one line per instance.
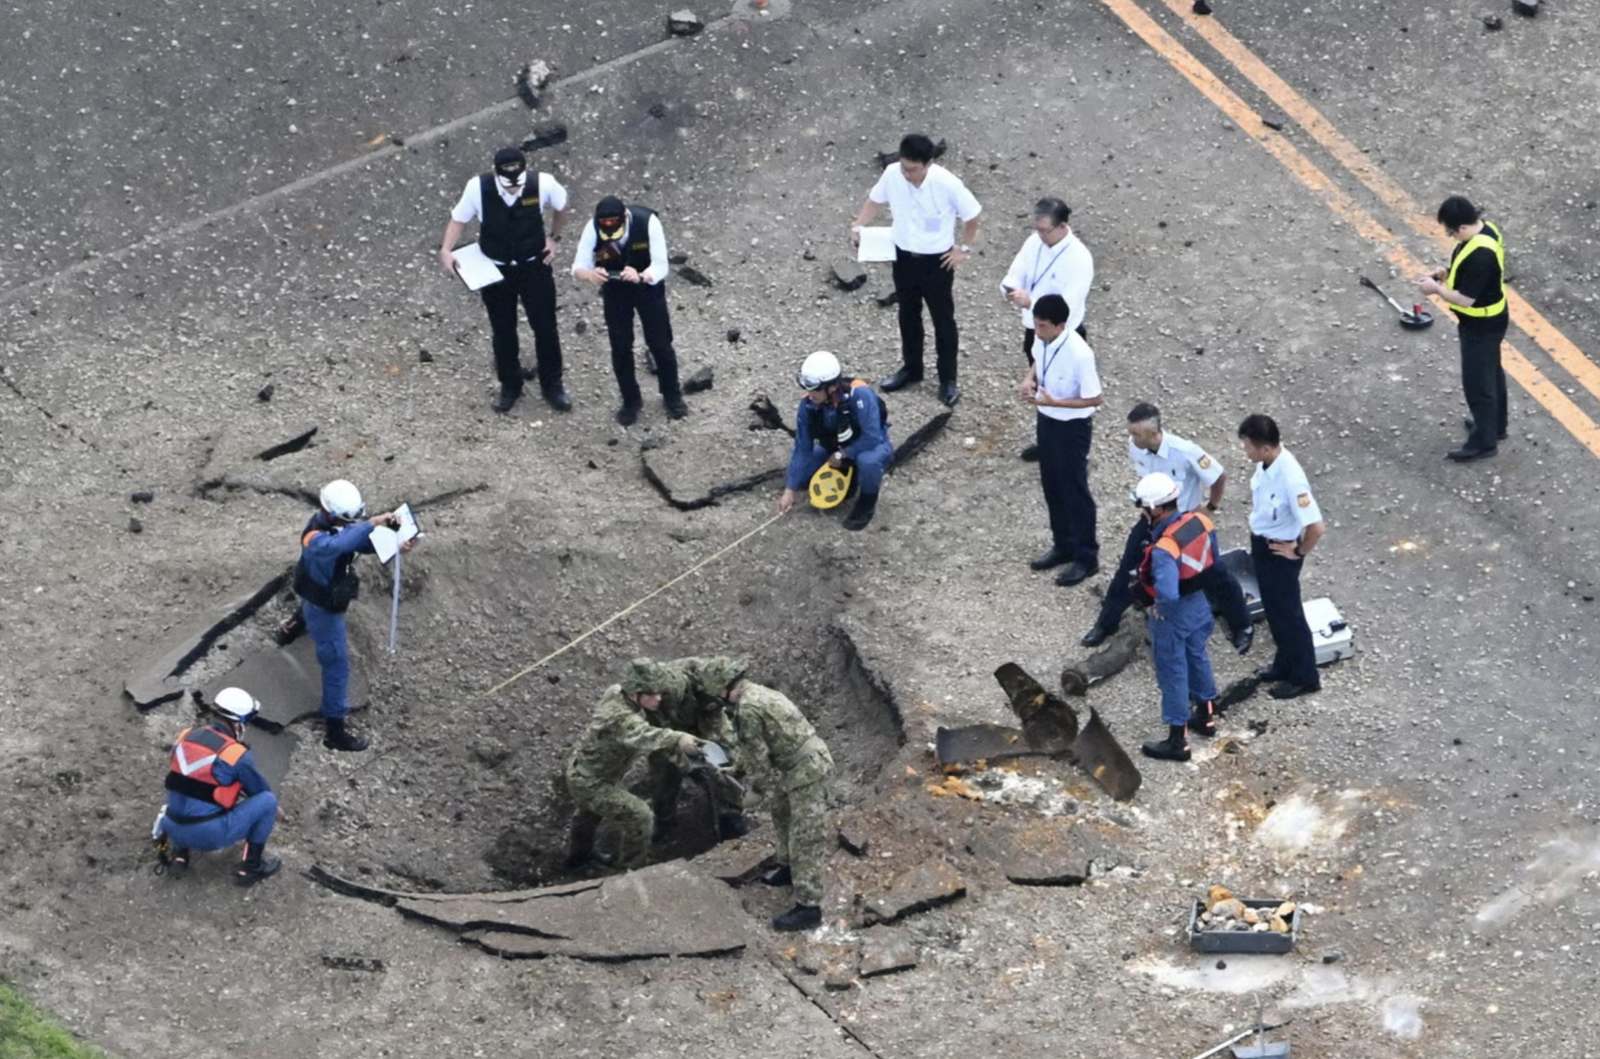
(622, 301)
(1227, 598)
(1027, 340)
(920, 278)
(1296, 660)
(1483, 380)
(534, 286)
(1064, 476)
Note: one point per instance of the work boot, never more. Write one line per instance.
(1243, 639)
(338, 736)
(1054, 557)
(1030, 454)
(255, 866)
(1098, 635)
(628, 415)
(1203, 719)
(178, 860)
(558, 398)
(508, 397)
(779, 876)
(862, 513)
(800, 917)
(902, 378)
(580, 846)
(732, 825)
(676, 408)
(1175, 747)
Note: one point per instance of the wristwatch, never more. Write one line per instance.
(965, 249)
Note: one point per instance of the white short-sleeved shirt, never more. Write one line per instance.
(1281, 504)
(1066, 269)
(552, 196)
(1065, 369)
(583, 260)
(1181, 460)
(924, 218)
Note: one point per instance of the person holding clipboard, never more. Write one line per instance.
(513, 239)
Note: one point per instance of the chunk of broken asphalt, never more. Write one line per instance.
(1201, 7)
(853, 837)
(135, 526)
(700, 381)
(888, 296)
(848, 274)
(1492, 22)
(690, 274)
(926, 886)
(142, 497)
(1525, 7)
(531, 80)
(545, 136)
(684, 23)
(424, 356)
(733, 335)
(266, 392)
(886, 954)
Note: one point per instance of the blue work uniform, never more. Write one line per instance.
(817, 437)
(326, 554)
(210, 826)
(1179, 627)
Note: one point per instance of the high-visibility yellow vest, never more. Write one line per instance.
(1491, 238)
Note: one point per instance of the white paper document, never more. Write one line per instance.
(475, 270)
(876, 245)
(386, 542)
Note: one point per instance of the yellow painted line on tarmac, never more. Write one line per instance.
(1527, 375)
(1533, 323)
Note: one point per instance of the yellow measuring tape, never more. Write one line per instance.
(630, 608)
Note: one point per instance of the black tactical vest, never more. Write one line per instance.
(632, 250)
(512, 234)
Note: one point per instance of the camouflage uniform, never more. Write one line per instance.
(689, 703)
(619, 732)
(772, 733)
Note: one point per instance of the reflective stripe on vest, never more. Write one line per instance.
(1188, 540)
(195, 755)
(1494, 242)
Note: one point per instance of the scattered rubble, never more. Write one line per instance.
(142, 497)
(886, 954)
(690, 274)
(531, 80)
(767, 416)
(848, 274)
(284, 448)
(265, 393)
(700, 381)
(544, 136)
(684, 23)
(369, 964)
(888, 296)
(928, 885)
(853, 837)
(135, 526)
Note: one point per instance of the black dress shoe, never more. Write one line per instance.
(949, 394)
(558, 397)
(1054, 557)
(1267, 674)
(507, 398)
(676, 409)
(900, 380)
(1243, 639)
(1469, 425)
(1290, 690)
(1467, 455)
(1076, 573)
(628, 415)
(1030, 454)
(1097, 635)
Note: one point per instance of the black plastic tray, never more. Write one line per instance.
(1243, 940)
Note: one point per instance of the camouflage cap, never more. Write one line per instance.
(723, 673)
(645, 677)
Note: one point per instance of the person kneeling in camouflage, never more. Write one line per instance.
(618, 733)
(770, 732)
(689, 705)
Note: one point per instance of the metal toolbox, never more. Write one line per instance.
(1243, 940)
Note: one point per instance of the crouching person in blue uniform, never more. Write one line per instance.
(326, 582)
(215, 796)
(843, 425)
(1178, 567)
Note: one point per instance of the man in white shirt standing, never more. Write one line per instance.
(623, 251)
(1052, 261)
(1064, 386)
(926, 202)
(512, 234)
(1285, 525)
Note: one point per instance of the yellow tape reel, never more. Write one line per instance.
(829, 486)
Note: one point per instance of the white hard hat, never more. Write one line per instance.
(1155, 490)
(342, 500)
(236, 704)
(818, 370)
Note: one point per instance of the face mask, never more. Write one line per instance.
(609, 234)
(509, 179)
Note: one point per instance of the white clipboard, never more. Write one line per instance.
(877, 244)
(475, 270)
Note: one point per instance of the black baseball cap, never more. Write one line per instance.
(609, 208)
(509, 158)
